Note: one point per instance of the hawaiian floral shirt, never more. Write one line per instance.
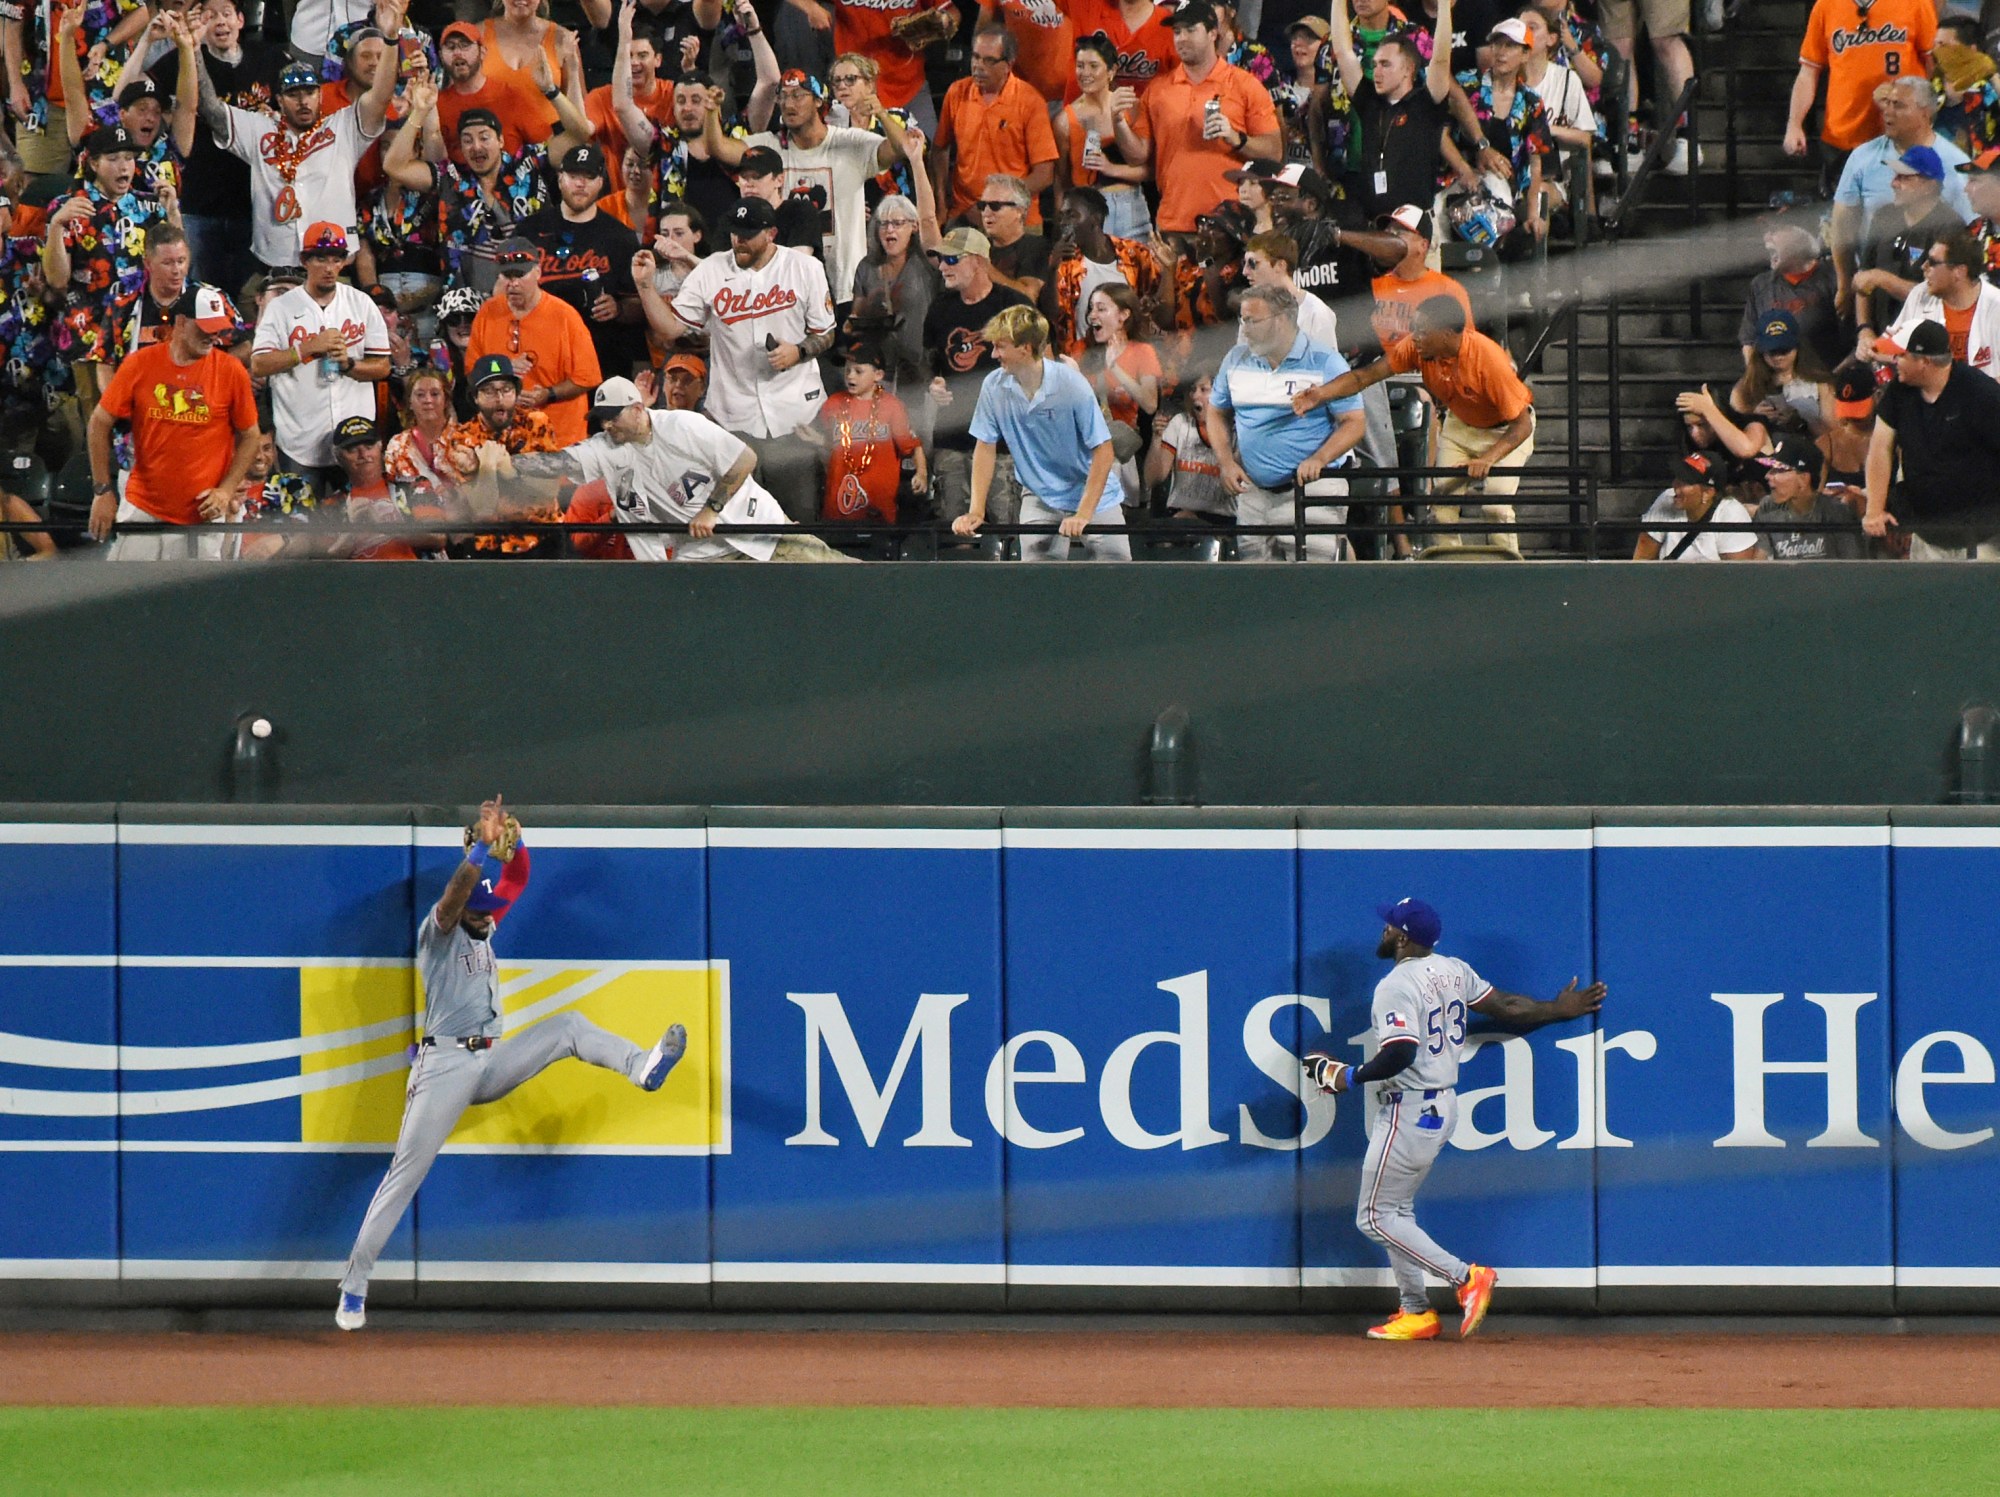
(107, 272)
(459, 448)
(1526, 126)
(284, 496)
(100, 19)
(466, 219)
(28, 322)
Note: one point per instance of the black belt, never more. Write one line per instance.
(470, 1042)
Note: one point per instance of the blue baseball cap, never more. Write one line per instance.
(1414, 919)
(1919, 161)
(298, 76)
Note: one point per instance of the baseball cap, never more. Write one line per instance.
(1919, 161)
(107, 140)
(761, 161)
(356, 431)
(1696, 467)
(1414, 919)
(516, 250)
(139, 88)
(1409, 216)
(614, 395)
(1253, 171)
(383, 297)
(1307, 181)
(206, 306)
(1985, 161)
(1513, 29)
(689, 363)
(1854, 393)
(965, 242)
(486, 117)
(582, 161)
(490, 367)
(1792, 453)
(323, 238)
(286, 275)
(298, 76)
(495, 896)
(1928, 339)
(464, 29)
(799, 78)
(1779, 333)
(750, 216)
(361, 34)
(1317, 25)
(1194, 13)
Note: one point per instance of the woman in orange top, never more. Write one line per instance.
(1121, 363)
(514, 35)
(1094, 113)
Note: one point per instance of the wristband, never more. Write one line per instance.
(480, 856)
(1347, 1081)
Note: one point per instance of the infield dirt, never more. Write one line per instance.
(1001, 1368)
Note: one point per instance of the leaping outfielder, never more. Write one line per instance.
(461, 1060)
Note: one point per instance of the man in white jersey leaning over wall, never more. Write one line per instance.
(1421, 1011)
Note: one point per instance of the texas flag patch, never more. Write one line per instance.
(1395, 1021)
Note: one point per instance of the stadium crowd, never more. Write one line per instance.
(721, 265)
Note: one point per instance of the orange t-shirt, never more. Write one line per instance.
(557, 346)
(1958, 327)
(591, 505)
(525, 116)
(1007, 134)
(1396, 301)
(184, 422)
(1046, 38)
(610, 134)
(1144, 53)
(1188, 168)
(1479, 386)
(863, 26)
(1856, 54)
(864, 469)
(1138, 360)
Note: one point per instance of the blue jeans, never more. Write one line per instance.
(220, 250)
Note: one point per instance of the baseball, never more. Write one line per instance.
(261, 728)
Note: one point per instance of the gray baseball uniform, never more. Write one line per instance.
(1428, 1000)
(462, 1001)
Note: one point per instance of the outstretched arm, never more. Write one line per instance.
(185, 87)
(1516, 1012)
(1437, 76)
(371, 110)
(479, 862)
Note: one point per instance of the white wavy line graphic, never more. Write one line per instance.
(23, 1102)
(73, 1055)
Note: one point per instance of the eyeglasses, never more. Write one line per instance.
(1253, 321)
(985, 206)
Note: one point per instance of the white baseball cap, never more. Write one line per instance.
(1513, 29)
(615, 394)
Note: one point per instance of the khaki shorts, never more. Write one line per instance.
(1663, 18)
(46, 152)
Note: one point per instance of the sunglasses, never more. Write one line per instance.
(992, 207)
(945, 259)
(1932, 262)
(842, 80)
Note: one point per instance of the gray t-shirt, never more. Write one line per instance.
(1812, 545)
(461, 986)
(1429, 999)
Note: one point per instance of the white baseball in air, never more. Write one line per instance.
(261, 728)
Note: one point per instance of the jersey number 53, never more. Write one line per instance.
(1446, 1027)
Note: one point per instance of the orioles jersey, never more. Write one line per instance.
(1858, 46)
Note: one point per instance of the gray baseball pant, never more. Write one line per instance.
(446, 1079)
(1410, 1128)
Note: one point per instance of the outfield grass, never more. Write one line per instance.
(295, 1452)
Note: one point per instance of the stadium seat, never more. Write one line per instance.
(1479, 552)
(69, 500)
(25, 474)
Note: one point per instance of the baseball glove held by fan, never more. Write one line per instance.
(926, 28)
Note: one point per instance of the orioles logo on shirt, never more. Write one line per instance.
(185, 407)
(964, 349)
(738, 306)
(1865, 35)
(1134, 62)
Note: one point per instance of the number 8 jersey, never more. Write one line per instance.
(1428, 1000)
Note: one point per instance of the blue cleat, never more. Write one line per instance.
(661, 1059)
(353, 1312)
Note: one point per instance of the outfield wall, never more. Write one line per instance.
(1004, 1058)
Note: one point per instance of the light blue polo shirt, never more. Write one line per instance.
(1864, 180)
(1271, 442)
(1050, 437)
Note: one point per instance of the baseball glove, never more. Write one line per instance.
(1326, 1073)
(509, 840)
(926, 28)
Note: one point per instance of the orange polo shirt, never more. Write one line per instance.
(526, 118)
(1008, 134)
(557, 346)
(1188, 168)
(1479, 385)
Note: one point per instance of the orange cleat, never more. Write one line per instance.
(1404, 1326)
(1473, 1298)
